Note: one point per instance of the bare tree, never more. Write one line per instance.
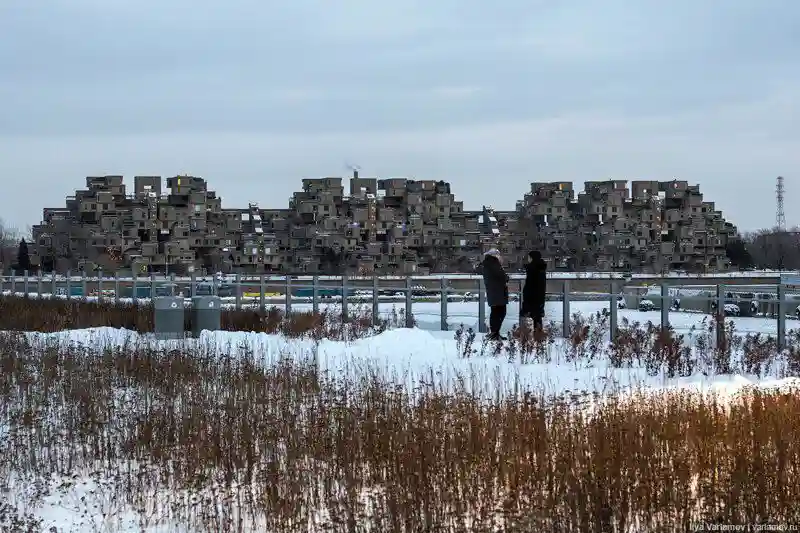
(9, 243)
(774, 248)
(8, 234)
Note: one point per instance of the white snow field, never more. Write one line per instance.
(427, 316)
(409, 356)
(84, 504)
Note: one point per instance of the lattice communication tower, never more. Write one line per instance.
(780, 215)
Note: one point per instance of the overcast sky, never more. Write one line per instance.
(254, 95)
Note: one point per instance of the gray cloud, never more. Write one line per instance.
(255, 95)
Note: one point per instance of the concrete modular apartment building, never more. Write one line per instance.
(383, 226)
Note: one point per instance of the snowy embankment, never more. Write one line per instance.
(409, 357)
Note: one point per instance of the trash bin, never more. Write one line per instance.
(168, 317)
(206, 314)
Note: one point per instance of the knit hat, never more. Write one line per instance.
(494, 251)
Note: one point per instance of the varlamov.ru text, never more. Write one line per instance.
(746, 527)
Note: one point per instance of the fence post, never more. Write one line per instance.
(135, 288)
(69, 285)
(25, 284)
(238, 285)
(443, 312)
(192, 285)
(99, 285)
(481, 306)
(53, 283)
(84, 291)
(288, 294)
(344, 298)
(39, 284)
(116, 287)
(409, 302)
(719, 316)
(375, 300)
(152, 286)
(566, 315)
(13, 283)
(665, 303)
(613, 321)
(315, 294)
(172, 284)
(262, 298)
(781, 316)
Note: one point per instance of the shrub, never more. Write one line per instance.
(50, 315)
(630, 345)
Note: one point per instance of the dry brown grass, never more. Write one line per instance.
(51, 315)
(229, 443)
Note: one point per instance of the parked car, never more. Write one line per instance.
(646, 305)
(732, 310)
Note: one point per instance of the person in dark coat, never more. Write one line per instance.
(495, 281)
(535, 289)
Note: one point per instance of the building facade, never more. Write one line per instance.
(383, 226)
(653, 226)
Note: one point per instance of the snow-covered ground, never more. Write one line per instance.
(404, 356)
(409, 356)
(428, 315)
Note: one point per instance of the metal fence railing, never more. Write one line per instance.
(417, 295)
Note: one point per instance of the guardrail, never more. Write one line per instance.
(343, 291)
(556, 275)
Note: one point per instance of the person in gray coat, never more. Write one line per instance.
(495, 280)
